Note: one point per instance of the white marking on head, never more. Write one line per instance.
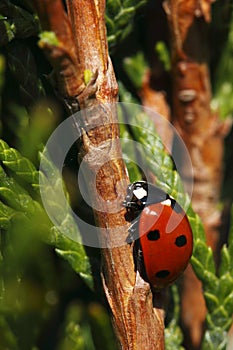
(140, 193)
(167, 202)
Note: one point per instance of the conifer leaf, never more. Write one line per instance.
(72, 251)
(16, 22)
(119, 16)
(136, 67)
(222, 84)
(211, 301)
(225, 285)
(225, 261)
(21, 166)
(18, 208)
(23, 66)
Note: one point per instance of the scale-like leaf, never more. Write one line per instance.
(21, 166)
(16, 202)
(119, 17)
(16, 22)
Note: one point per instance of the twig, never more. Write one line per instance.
(82, 47)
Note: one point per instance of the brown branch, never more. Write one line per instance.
(137, 324)
(68, 80)
(156, 101)
(201, 130)
(88, 19)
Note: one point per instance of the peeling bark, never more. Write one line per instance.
(156, 102)
(202, 132)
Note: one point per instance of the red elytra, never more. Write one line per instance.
(166, 241)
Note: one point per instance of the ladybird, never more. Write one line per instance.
(164, 232)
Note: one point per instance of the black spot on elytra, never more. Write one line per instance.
(181, 241)
(162, 274)
(153, 235)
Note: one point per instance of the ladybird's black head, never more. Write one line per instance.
(134, 202)
(136, 195)
(141, 194)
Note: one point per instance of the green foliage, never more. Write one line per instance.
(223, 84)
(48, 38)
(135, 68)
(86, 327)
(23, 66)
(75, 335)
(7, 338)
(102, 332)
(173, 333)
(73, 338)
(72, 251)
(163, 55)
(2, 76)
(219, 299)
(87, 76)
(35, 128)
(119, 18)
(19, 23)
(21, 166)
(16, 202)
(15, 22)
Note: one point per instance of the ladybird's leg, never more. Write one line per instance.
(128, 202)
(139, 260)
(133, 232)
(133, 205)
